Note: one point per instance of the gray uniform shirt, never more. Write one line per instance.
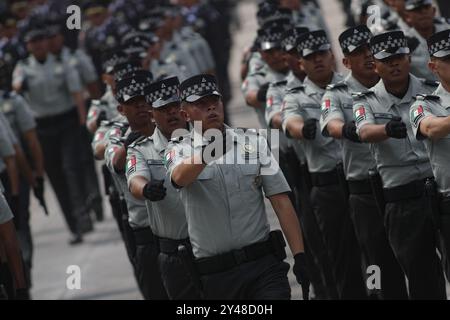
(399, 161)
(79, 60)
(304, 102)
(437, 105)
(200, 48)
(225, 206)
(167, 217)
(48, 86)
(17, 112)
(7, 141)
(5, 212)
(137, 211)
(255, 80)
(337, 103)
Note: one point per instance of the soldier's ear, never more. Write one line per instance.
(121, 110)
(185, 114)
(346, 63)
(300, 63)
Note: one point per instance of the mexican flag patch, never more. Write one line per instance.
(417, 114)
(326, 105)
(360, 114)
(269, 102)
(131, 165)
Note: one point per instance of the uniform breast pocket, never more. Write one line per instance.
(250, 178)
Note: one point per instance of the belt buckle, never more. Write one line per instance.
(240, 256)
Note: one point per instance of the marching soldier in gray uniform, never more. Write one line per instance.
(337, 121)
(256, 84)
(130, 93)
(21, 120)
(420, 15)
(382, 119)
(147, 180)
(89, 80)
(53, 91)
(300, 116)
(221, 186)
(430, 121)
(10, 246)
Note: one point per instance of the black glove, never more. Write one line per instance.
(396, 128)
(132, 137)
(22, 294)
(101, 117)
(309, 129)
(39, 188)
(214, 154)
(155, 190)
(349, 132)
(262, 92)
(301, 273)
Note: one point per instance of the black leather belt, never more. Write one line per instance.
(144, 236)
(414, 189)
(59, 118)
(229, 260)
(170, 246)
(322, 179)
(359, 186)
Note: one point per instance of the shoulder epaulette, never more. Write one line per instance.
(177, 139)
(257, 73)
(296, 89)
(139, 141)
(423, 97)
(362, 94)
(246, 130)
(340, 84)
(106, 123)
(430, 83)
(278, 83)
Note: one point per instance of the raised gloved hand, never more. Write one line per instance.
(101, 117)
(262, 92)
(301, 273)
(132, 137)
(396, 128)
(155, 190)
(349, 132)
(309, 129)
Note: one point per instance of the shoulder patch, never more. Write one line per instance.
(278, 83)
(340, 84)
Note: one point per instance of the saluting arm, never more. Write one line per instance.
(334, 128)
(188, 170)
(435, 128)
(295, 127)
(137, 185)
(373, 133)
(288, 221)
